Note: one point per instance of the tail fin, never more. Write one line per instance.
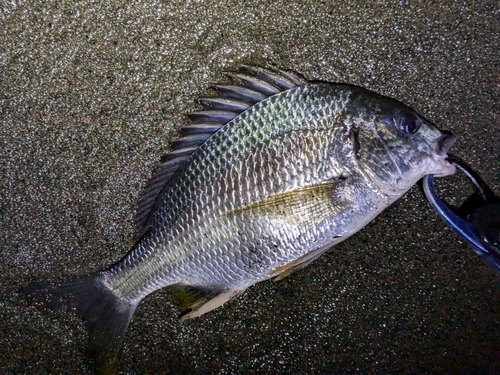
(105, 315)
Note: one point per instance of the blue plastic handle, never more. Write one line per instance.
(463, 227)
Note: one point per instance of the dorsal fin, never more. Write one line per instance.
(255, 85)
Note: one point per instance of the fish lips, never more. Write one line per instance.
(440, 148)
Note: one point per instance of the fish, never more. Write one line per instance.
(271, 173)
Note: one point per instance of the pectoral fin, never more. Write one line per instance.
(308, 205)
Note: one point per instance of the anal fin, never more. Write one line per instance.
(195, 301)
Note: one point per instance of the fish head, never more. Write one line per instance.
(396, 147)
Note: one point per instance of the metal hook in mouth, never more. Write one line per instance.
(466, 229)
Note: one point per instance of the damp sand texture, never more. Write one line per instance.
(92, 95)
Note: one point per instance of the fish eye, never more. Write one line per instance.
(411, 127)
(408, 125)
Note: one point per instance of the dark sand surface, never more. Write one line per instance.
(91, 95)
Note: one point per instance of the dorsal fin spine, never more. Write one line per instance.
(256, 85)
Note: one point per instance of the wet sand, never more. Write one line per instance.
(91, 96)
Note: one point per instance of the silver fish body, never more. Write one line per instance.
(287, 178)
(276, 186)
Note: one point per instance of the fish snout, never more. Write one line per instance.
(440, 148)
(444, 143)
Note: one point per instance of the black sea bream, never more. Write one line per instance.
(270, 175)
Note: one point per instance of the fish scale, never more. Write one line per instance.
(270, 175)
(190, 242)
(198, 181)
(208, 164)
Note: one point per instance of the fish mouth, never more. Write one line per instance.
(440, 148)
